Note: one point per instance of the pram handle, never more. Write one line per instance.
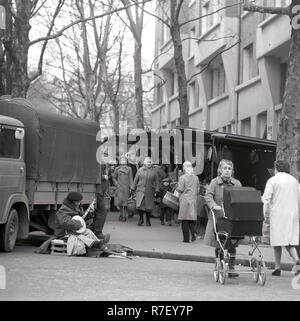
(215, 221)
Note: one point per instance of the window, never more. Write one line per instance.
(160, 94)
(209, 18)
(273, 3)
(192, 96)
(261, 130)
(276, 3)
(165, 33)
(218, 81)
(246, 127)
(191, 48)
(173, 83)
(250, 68)
(9, 145)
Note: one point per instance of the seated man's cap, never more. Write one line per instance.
(74, 196)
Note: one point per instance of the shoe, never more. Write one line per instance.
(140, 223)
(148, 224)
(170, 224)
(106, 238)
(231, 264)
(296, 268)
(233, 274)
(186, 241)
(162, 223)
(193, 238)
(276, 272)
(98, 244)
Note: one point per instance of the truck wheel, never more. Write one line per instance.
(9, 232)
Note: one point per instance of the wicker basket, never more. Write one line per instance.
(171, 201)
(131, 205)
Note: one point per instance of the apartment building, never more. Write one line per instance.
(234, 86)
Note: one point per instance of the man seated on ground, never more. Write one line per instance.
(67, 227)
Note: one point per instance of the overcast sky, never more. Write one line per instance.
(147, 41)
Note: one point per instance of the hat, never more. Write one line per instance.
(74, 196)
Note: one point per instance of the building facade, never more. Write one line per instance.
(235, 62)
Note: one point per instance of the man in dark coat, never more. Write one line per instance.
(65, 225)
(100, 211)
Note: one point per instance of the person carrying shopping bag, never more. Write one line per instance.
(187, 190)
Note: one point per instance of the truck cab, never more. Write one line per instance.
(12, 181)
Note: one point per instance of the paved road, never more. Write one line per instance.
(32, 276)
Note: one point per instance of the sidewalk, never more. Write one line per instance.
(165, 242)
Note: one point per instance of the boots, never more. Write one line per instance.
(148, 219)
(125, 212)
(121, 214)
(231, 264)
(141, 220)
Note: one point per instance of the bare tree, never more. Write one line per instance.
(16, 42)
(289, 126)
(136, 19)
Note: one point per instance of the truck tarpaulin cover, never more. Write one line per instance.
(57, 148)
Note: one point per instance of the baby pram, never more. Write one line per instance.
(241, 215)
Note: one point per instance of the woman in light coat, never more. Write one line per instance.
(146, 185)
(122, 178)
(281, 200)
(187, 190)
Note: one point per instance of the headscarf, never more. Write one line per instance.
(187, 167)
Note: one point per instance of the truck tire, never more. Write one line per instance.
(9, 232)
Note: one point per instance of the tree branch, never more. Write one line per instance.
(262, 9)
(40, 64)
(210, 61)
(60, 32)
(34, 11)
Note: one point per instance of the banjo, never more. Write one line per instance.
(81, 218)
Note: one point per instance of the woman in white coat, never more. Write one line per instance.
(281, 206)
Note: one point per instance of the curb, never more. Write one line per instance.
(204, 259)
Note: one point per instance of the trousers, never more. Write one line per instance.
(188, 227)
(100, 216)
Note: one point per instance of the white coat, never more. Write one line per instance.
(282, 197)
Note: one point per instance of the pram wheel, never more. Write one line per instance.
(254, 266)
(217, 270)
(223, 272)
(261, 271)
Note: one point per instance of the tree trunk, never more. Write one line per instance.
(288, 147)
(20, 79)
(182, 81)
(138, 84)
(116, 117)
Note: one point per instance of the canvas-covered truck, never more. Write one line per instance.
(43, 157)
